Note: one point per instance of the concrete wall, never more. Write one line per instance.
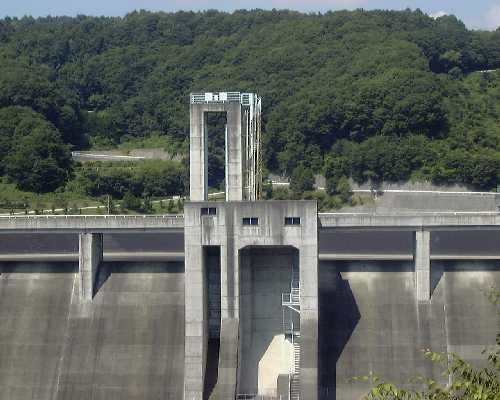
(92, 223)
(127, 344)
(388, 202)
(265, 354)
(370, 321)
(412, 220)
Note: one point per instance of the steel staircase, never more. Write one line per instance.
(291, 307)
(295, 376)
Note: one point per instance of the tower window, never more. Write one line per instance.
(208, 211)
(250, 221)
(292, 220)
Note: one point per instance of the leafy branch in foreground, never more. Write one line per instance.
(466, 382)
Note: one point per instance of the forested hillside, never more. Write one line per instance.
(371, 95)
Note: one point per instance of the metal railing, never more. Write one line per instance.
(218, 97)
(93, 216)
(291, 299)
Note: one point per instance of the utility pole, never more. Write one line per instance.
(108, 205)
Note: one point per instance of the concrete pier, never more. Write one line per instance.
(422, 259)
(309, 310)
(196, 336)
(198, 152)
(234, 153)
(238, 227)
(89, 258)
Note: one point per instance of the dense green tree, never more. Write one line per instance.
(131, 202)
(39, 162)
(302, 180)
(336, 86)
(153, 178)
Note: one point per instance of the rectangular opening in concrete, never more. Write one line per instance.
(212, 262)
(266, 351)
(216, 123)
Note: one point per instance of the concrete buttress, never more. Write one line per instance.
(89, 258)
(422, 259)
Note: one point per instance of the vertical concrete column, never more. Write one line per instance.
(198, 153)
(309, 312)
(234, 153)
(89, 258)
(196, 318)
(245, 307)
(229, 280)
(229, 287)
(422, 258)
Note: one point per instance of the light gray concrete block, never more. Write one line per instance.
(422, 265)
(89, 257)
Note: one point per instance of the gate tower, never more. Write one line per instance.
(242, 144)
(223, 241)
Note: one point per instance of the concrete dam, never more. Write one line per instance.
(239, 299)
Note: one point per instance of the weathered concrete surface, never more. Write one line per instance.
(92, 223)
(266, 275)
(226, 229)
(198, 150)
(422, 260)
(418, 201)
(471, 323)
(35, 303)
(127, 344)
(89, 259)
(370, 320)
(225, 387)
(175, 223)
(411, 220)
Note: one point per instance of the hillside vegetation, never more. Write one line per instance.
(370, 95)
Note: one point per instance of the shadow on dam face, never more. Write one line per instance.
(370, 321)
(439, 268)
(339, 315)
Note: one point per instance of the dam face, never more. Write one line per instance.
(371, 323)
(127, 344)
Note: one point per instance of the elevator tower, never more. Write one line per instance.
(242, 144)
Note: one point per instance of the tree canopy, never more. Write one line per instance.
(338, 88)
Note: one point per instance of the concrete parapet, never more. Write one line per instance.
(89, 258)
(412, 220)
(93, 223)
